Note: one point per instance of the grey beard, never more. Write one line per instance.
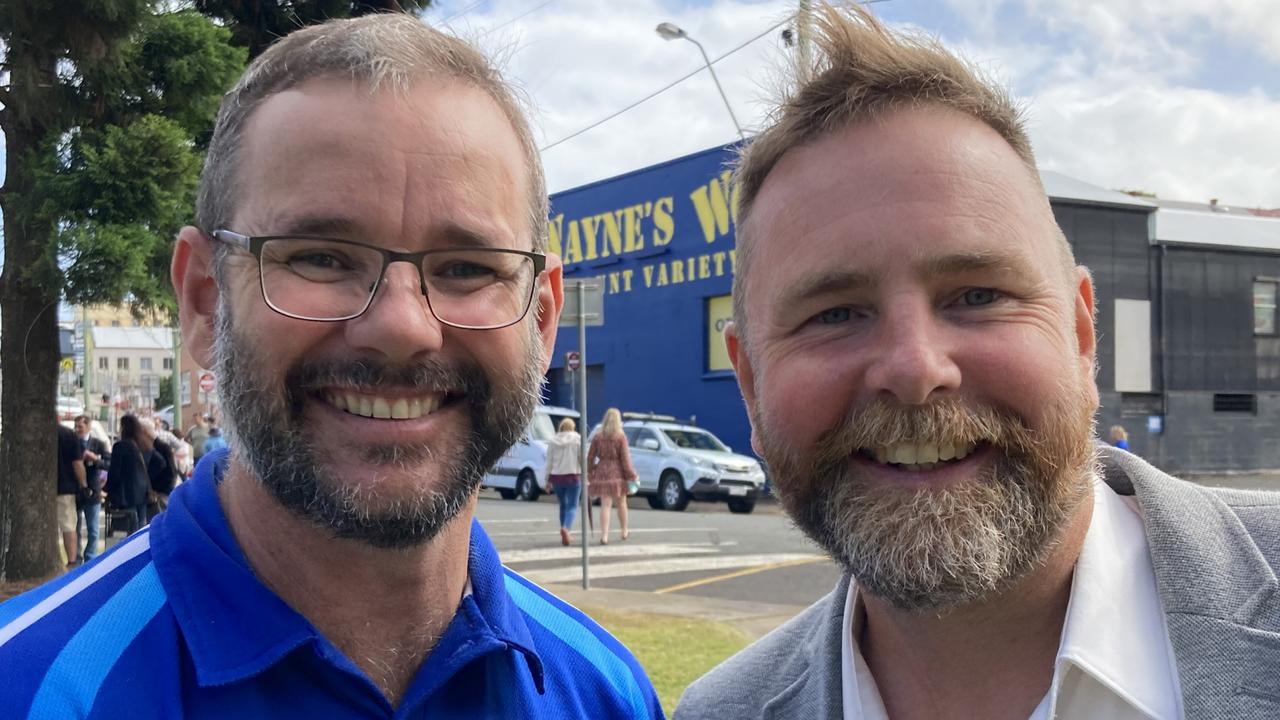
(935, 549)
(263, 420)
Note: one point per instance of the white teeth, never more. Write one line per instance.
(922, 456)
(383, 408)
(400, 409)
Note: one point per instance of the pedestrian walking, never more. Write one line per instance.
(97, 459)
(611, 472)
(214, 441)
(196, 435)
(128, 482)
(563, 473)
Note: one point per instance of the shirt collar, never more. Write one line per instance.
(236, 627)
(1114, 630)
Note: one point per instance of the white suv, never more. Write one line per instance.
(518, 473)
(677, 463)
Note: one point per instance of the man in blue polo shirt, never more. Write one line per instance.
(370, 283)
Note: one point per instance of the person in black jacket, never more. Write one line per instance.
(128, 478)
(97, 458)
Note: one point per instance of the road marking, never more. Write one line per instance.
(740, 573)
(574, 552)
(516, 520)
(663, 567)
(633, 531)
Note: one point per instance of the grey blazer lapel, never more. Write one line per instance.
(1220, 594)
(817, 693)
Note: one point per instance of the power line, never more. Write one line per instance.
(663, 89)
(679, 80)
(462, 12)
(521, 15)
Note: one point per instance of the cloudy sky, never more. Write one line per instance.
(1176, 97)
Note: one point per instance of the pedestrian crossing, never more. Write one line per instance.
(650, 551)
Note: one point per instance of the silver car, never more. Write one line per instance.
(678, 463)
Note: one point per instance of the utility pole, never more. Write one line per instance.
(804, 17)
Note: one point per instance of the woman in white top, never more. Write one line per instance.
(562, 473)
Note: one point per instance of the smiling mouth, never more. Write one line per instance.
(920, 456)
(383, 407)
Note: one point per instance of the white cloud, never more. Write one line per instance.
(1106, 81)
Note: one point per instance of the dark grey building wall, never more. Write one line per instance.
(1208, 305)
(1113, 244)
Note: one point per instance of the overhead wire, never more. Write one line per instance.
(679, 80)
(663, 89)
(524, 14)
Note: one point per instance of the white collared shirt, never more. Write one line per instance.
(1114, 659)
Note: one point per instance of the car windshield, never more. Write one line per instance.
(541, 428)
(694, 440)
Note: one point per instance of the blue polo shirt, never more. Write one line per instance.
(172, 623)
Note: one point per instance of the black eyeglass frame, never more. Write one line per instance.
(255, 243)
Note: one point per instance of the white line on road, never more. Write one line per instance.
(574, 552)
(633, 531)
(516, 520)
(661, 567)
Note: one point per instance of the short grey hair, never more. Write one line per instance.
(861, 70)
(391, 50)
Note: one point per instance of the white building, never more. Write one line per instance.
(129, 363)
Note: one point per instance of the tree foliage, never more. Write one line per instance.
(257, 23)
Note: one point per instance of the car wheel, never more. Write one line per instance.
(507, 494)
(741, 505)
(527, 486)
(671, 491)
(655, 502)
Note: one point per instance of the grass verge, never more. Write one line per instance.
(674, 651)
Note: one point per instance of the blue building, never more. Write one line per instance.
(1188, 339)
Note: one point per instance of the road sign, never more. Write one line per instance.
(67, 364)
(206, 382)
(587, 294)
(573, 360)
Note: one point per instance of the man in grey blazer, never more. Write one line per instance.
(915, 346)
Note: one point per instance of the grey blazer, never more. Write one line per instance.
(1215, 554)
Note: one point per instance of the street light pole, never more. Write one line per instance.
(671, 31)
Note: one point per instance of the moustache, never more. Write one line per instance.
(426, 376)
(882, 423)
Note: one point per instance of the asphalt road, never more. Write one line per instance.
(704, 551)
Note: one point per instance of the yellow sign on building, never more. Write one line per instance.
(719, 314)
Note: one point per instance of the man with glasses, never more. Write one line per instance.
(369, 280)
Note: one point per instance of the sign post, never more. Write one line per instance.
(583, 306)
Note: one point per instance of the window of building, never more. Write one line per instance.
(168, 363)
(122, 363)
(104, 363)
(1235, 403)
(1264, 307)
(145, 363)
(115, 323)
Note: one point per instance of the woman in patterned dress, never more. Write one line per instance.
(609, 463)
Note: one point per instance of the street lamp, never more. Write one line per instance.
(671, 31)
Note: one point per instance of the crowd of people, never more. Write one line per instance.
(108, 482)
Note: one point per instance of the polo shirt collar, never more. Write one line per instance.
(235, 627)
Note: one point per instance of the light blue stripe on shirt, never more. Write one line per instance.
(582, 640)
(73, 680)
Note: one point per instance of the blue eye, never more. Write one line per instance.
(833, 316)
(979, 296)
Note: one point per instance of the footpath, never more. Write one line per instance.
(752, 618)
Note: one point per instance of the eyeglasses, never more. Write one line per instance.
(330, 280)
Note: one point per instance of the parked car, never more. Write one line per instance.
(518, 473)
(69, 408)
(677, 463)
